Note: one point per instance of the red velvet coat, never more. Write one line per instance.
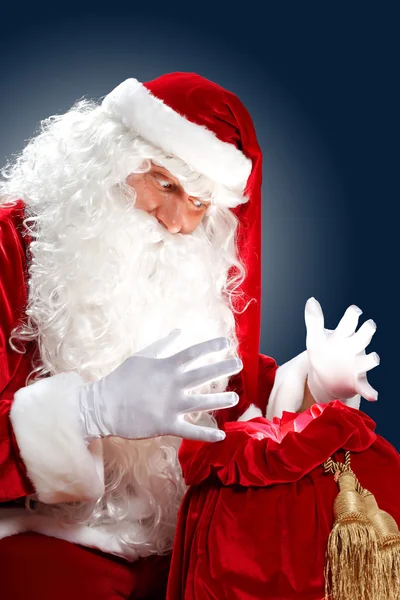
(14, 367)
(34, 554)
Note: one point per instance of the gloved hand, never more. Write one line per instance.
(146, 396)
(338, 363)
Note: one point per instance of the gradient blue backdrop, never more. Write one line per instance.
(320, 83)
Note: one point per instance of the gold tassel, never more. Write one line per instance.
(389, 544)
(353, 568)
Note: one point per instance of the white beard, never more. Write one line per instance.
(101, 291)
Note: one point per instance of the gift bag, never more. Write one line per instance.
(260, 512)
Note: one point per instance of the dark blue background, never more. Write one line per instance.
(321, 84)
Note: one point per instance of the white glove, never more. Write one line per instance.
(338, 363)
(146, 396)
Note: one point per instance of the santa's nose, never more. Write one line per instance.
(170, 214)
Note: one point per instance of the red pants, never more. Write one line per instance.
(36, 567)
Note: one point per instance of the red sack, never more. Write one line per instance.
(256, 520)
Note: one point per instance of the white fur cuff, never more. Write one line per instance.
(288, 391)
(47, 424)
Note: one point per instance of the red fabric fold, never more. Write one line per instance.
(266, 371)
(255, 522)
(58, 570)
(260, 452)
(14, 367)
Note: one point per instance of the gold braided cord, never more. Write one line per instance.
(352, 564)
(363, 553)
(337, 468)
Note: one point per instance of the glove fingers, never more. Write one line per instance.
(366, 362)
(224, 368)
(201, 402)
(157, 347)
(348, 323)
(365, 390)
(198, 350)
(314, 318)
(363, 336)
(188, 431)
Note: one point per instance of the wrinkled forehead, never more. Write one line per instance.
(169, 166)
(190, 179)
(196, 184)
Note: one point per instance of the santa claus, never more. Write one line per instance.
(130, 313)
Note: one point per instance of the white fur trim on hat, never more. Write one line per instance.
(47, 424)
(157, 122)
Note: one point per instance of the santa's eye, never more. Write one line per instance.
(198, 204)
(167, 185)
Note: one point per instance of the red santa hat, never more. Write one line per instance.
(187, 116)
(210, 129)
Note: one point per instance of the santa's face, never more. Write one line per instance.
(162, 195)
(112, 273)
